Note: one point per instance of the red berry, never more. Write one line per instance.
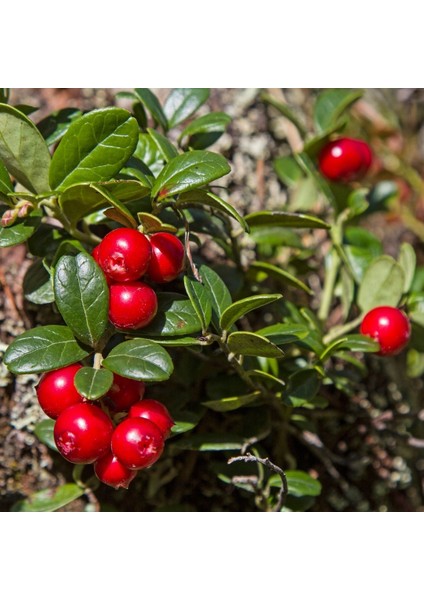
(83, 433)
(167, 259)
(156, 412)
(124, 393)
(56, 390)
(388, 326)
(111, 472)
(95, 255)
(124, 254)
(137, 443)
(345, 160)
(132, 305)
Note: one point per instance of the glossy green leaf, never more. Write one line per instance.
(43, 348)
(54, 126)
(252, 344)
(182, 103)
(93, 383)
(95, 147)
(299, 483)
(281, 333)
(175, 317)
(212, 123)
(232, 403)
(178, 341)
(219, 294)
(148, 153)
(44, 432)
(20, 231)
(152, 224)
(288, 171)
(302, 387)
(408, 262)
(188, 171)
(120, 211)
(23, 150)
(356, 342)
(150, 101)
(167, 150)
(284, 219)
(37, 284)
(199, 296)
(330, 106)
(49, 500)
(280, 275)
(143, 360)
(204, 198)
(382, 284)
(241, 307)
(82, 296)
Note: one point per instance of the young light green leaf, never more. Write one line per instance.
(49, 500)
(175, 317)
(252, 344)
(408, 262)
(330, 106)
(241, 307)
(142, 360)
(20, 231)
(182, 103)
(188, 171)
(284, 219)
(82, 296)
(43, 348)
(202, 198)
(94, 148)
(199, 296)
(280, 275)
(382, 284)
(149, 100)
(23, 150)
(93, 383)
(167, 150)
(233, 403)
(219, 295)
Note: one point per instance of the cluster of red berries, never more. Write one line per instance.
(345, 160)
(84, 433)
(125, 255)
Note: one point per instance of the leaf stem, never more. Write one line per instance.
(340, 330)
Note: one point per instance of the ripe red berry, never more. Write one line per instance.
(132, 305)
(156, 412)
(137, 443)
(345, 160)
(83, 433)
(124, 254)
(167, 259)
(111, 472)
(124, 393)
(95, 255)
(388, 326)
(56, 390)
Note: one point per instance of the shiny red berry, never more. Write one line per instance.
(112, 472)
(137, 443)
(132, 305)
(83, 433)
(167, 259)
(388, 326)
(95, 255)
(124, 254)
(124, 393)
(345, 160)
(156, 412)
(56, 390)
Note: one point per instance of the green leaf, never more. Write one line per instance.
(54, 127)
(183, 102)
(241, 307)
(95, 147)
(151, 224)
(408, 262)
(252, 344)
(93, 383)
(288, 171)
(37, 285)
(23, 150)
(286, 111)
(199, 296)
(20, 231)
(302, 387)
(205, 129)
(281, 334)
(149, 100)
(42, 349)
(233, 403)
(49, 500)
(82, 296)
(5, 182)
(359, 343)
(188, 171)
(299, 483)
(44, 432)
(204, 198)
(274, 381)
(280, 275)
(166, 149)
(119, 210)
(210, 441)
(143, 360)
(284, 219)
(175, 317)
(177, 341)
(148, 153)
(330, 106)
(219, 295)
(382, 284)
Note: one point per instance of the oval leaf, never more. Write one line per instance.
(199, 296)
(219, 294)
(140, 359)
(233, 403)
(49, 500)
(241, 307)
(285, 219)
(23, 150)
(299, 483)
(205, 130)
(382, 284)
(93, 383)
(95, 147)
(44, 432)
(330, 106)
(175, 317)
(42, 349)
(408, 262)
(183, 102)
(188, 171)
(166, 149)
(252, 344)
(281, 334)
(82, 296)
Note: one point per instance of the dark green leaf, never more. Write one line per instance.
(281, 334)
(252, 344)
(95, 147)
(299, 483)
(330, 106)
(219, 295)
(233, 403)
(302, 387)
(188, 171)
(204, 198)
(42, 349)
(408, 262)
(268, 377)
(205, 130)
(280, 275)
(177, 341)
(93, 383)
(185, 420)
(143, 360)
(166, 149)
(241, 307)
(199, 296)
(37, 285)
(175, 317)
(285, 219)
(54, 127)
(46, 240)
(120, 211)
(44, 432)
(20, 231)
(82, 296)
(381, 193)
(23, 150)
(49, 500)
(149, 100)
(288, 171)
(210, 441)
(183, 102)
(382, 285)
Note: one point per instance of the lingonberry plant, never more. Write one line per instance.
(241, 336)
